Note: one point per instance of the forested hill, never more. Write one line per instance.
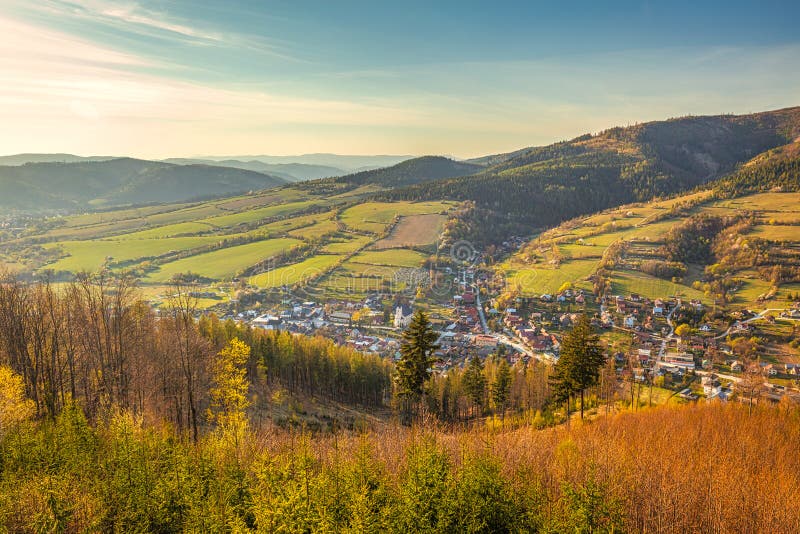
(410, 172)
(52, 185)
(776, 169)
(542, 186)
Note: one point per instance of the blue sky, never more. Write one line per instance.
(182, 78)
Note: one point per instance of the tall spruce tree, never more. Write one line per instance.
(475, 383)
(580, 362)
(416, 360)
(562, 386)
(501, 386)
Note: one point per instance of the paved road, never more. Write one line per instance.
(480, 309)
(723, 376)
(662, 351)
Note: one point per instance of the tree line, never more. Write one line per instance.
(96, 343)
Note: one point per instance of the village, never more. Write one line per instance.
(663, 341)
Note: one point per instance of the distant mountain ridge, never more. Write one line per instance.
(291, 168)
(120, 181)
(22, 159)
(346, 162)
(293, 172)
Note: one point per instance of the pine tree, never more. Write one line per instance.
(501, 386)
(475, 383)
(562, 385)
(581, 359)
(416, 360)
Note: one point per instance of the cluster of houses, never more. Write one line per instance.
(465, 313)
(382, 346)
(533, 333)
(336, 317)
(297, 317)
(636, 312)
(456, 348)
(367, 312)
(792, 313)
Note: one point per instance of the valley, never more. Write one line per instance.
(399, 267)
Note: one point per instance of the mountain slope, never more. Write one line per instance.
(410, 172)
(36, 186)
(542, 186)
(775, 170)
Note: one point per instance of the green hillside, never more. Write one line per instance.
(737, 252)
(413, 171)
(64, 186)
(278, 237)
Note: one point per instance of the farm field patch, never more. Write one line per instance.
(258, 214)
(223, 264)
(91, 255)
(534, 281)
(414, 230)
(346, 246)
(375, 216)
(316, 230)
(391, 257)
(296, 272)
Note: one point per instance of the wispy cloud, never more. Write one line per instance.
(136, 19)
(58, 85)
(130, 15)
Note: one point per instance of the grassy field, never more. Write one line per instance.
(375, 216)
(341, 246)
(316, 230)
(537, 280)
(151, 237)
(225, 263)
(258, 214)
(169, 230)
(290, 223)
(344, 285)
(777, 232)
(177, 214)
(577, 252)
(414, 230)
(366, 270)
(393, 257)
(296, 272)
(752, 288)
(91, 255)
(102, 217)
(627, 282)
(274, 196)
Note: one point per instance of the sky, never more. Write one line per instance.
(174, 78)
